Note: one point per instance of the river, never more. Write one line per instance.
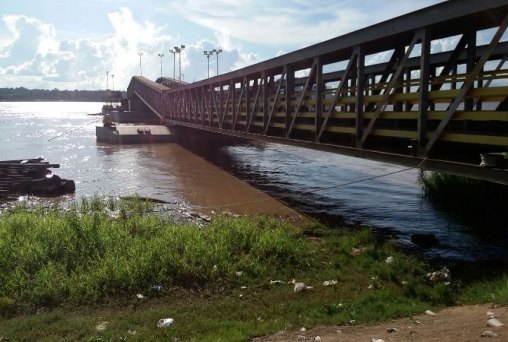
(310, 181)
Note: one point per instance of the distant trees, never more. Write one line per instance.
(21, 94)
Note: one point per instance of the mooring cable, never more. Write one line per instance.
(280, 197)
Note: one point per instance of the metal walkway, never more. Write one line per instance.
(414, 106)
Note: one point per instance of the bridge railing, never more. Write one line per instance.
(333, 93)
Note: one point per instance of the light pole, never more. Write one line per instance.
(113, 81)
(107, 80)
(174, 62)
(179, 50)
(140, 70)
(208, 54)
(161, 55)
(217, 52)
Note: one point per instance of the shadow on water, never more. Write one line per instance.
(394, 206)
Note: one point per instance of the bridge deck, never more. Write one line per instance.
(447, 106)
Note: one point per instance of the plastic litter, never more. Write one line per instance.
(330, 282)
(358, 251)
(140, 296)
(377, 340)
(101, 326)
(239, 273)
(165, 322)
(156, 287)
(494, 322)
(277, 282)
(491, 314)
(430, 313)
(488, 333)
(299, 287)
(317, 338)
(243, 287)
(389, 260)
(303, 329)
(132, 332)
(392, 330)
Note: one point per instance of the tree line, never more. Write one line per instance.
(23, 94)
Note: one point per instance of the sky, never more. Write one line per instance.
(80, 44)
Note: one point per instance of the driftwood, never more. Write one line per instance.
(32, 177)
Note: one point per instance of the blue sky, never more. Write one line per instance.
(71, 44)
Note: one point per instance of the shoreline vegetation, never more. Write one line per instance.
(106, 269)
(22, 94)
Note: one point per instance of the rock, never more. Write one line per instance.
(165, 322)
(494, 322)
(430, 313)
(424, 240)
(488, 333)
(317, 338)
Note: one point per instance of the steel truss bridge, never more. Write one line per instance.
(385, 92)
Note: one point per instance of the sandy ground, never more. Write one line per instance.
(457, 324)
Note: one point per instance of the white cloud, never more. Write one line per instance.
(292, 23)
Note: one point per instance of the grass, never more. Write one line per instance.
(86, 265)
(473, 201)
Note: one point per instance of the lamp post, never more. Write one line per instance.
(161, 55)
(174, 62)
(217, 51)
(140, 70)
(208, 54)
(113, 81)
(179, 50)
(107, 80)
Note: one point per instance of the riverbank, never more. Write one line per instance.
(105, 270)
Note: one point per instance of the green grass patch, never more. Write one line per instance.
(85, 265)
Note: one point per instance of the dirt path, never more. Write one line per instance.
(457, 324)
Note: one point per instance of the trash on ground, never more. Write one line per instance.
(488, 333)
(101, 326)
(392, 330)
(358, 251)
(277, 282)
(491, 314)
(299, 287)
(317, 338)
(41, 310)
(437, 276)
(377, 340)
(243, 287)
(330, 282)
(389, 260)
(140, 296)
(303, 329)
(165, 322)
(430, 313)
(239, 273)
(494, 322)
(132, 332)
(156, 287)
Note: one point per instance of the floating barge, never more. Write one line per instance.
(131, 127)
(133, 134)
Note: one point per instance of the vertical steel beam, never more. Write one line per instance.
(255, 106)
(239, 106)
(470, 62)
(265, 98)
(290, 88)
(423, 107)
(360, 92)
(471, 77)
(319, 97)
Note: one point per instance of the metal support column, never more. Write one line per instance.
(423, 107)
